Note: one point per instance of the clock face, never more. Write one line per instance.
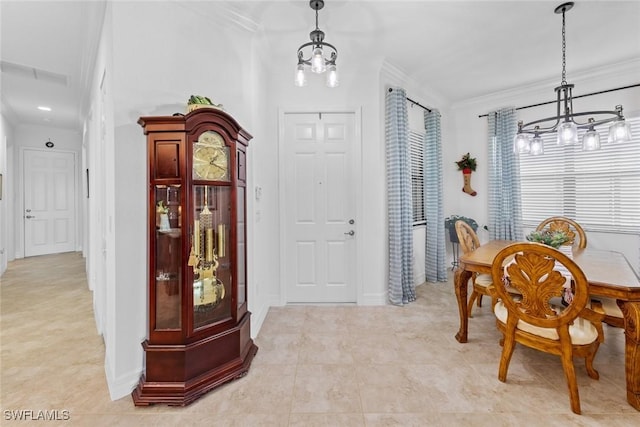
(210, 157)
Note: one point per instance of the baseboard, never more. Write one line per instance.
(123, 385)
(374, 299)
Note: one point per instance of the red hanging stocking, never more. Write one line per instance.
(466, 173)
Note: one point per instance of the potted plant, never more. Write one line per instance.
(467, 164)
(450, 224)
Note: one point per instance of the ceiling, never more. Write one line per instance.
(462, 49)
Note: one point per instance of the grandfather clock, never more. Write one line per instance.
(199, 326)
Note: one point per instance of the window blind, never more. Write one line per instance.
(416, 152)
(599, 189)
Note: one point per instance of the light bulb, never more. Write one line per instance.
(317, 61)
(521, 143)
(332, 76)
(301, 78)
(591, 140)
(619, 131)
(537, 146)
(567, 133)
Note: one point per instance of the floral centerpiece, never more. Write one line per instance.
(555, 239)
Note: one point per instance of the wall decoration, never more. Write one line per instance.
(467, 164)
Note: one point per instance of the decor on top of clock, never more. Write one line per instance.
(199, 333)
(196, 101)
(467, 164)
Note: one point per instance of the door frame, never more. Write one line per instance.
(19, 212)
(358, 186)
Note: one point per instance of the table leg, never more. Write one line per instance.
(631, 312)
(460, 284)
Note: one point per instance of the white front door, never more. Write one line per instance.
(320, 232)
(49, 202)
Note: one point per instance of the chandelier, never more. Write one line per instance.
(564, 122)
(316, 59)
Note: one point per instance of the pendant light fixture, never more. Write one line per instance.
(321, 55)
(564, 123)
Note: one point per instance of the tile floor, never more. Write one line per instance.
(317, 366)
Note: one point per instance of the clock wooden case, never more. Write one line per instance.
(199, 326)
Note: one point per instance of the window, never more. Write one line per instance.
(416, 152)
(599, 189)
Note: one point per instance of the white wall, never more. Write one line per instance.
(7, 169)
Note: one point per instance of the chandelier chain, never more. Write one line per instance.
(564, 53)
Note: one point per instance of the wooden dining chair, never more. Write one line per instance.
(481, 282)
(569, 226)
(534, 320)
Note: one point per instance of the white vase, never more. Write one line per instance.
(164, 222)
(567, 250)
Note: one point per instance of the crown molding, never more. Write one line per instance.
(393, 75)
(224, 13)
(625, 71)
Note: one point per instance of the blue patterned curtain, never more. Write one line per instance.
(505, 204)
(435, 268)
(401, 287)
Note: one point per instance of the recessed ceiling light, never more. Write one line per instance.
(43, 108)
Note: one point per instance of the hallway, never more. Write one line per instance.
(316, 366)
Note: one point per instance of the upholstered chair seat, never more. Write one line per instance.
(581, 332)
(613, 314)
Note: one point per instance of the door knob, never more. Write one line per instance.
(30, 216)
(350, 233)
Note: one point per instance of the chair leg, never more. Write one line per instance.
(570, 374)
(472, 299)
(508, 345)
(588, 363)
(479, 300)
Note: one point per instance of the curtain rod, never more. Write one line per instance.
(413, 102)
(575, 97)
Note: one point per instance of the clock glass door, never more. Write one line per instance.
(210, 257)
(168, 271)
(241, 280)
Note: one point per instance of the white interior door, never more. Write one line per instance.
(320, 207)
(49, 202)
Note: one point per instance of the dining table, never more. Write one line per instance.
(609, 275)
